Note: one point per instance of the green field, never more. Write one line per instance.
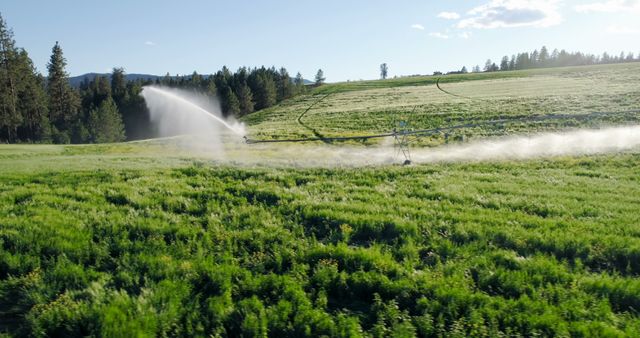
(152, 238)
(543, 92)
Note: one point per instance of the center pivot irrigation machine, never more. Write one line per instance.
(402, 133)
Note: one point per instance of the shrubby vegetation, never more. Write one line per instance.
(546, 248)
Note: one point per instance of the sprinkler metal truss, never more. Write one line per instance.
(402, 133)
(401, 142)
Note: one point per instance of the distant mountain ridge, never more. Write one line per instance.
(76, 81)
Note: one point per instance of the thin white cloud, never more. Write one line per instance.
(449, 15)
(417, 26)
(464, 35)
(439, 35)
(149, 43)
(623, 30)
(513, 13)
(610, 6)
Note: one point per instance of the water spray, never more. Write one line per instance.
(235, 129)
(401, 132)
(179, 112)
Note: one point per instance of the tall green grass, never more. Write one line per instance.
(546, 247)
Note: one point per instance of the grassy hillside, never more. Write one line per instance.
(484, 97)
(156, 238)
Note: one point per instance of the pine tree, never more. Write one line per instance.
(105, 123)
(211, 88)
(63, 100)
(135, 113)
(320, 77)
(98, 90)
(299, 82)
(534, 58)
(118, 86)
(23, 105)
(285, 87)
(488, 66)
(264, 89)
(504, 64)
(543, 58)
(196, 80)
(10, 118)
(245, 99)
(384, 70)
(32, 103)
(230, 104)
(166, 80)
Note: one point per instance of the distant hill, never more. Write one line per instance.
(75, 81)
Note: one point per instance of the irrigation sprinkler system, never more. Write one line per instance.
(402, 132)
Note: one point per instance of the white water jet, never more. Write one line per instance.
(176, 112)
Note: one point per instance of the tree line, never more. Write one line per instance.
(34, 108)
(244, 91)
(556, 58)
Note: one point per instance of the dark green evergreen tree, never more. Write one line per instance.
(32, 103)
(98, 90)
(263, 86)
(135, 113)
(118, 86)
(196, 80)
(229, 104)
(320, 77)
(23, 104)
(504, 63)
(265, 95)
(63, 100)
(10, 117)
(285, 87)
(488, 66)
(384, 71)
(299, 83)
(245, 99)
(533, 59)
(105, 123)
(543, 57)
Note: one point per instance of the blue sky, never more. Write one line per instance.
(347, 39)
